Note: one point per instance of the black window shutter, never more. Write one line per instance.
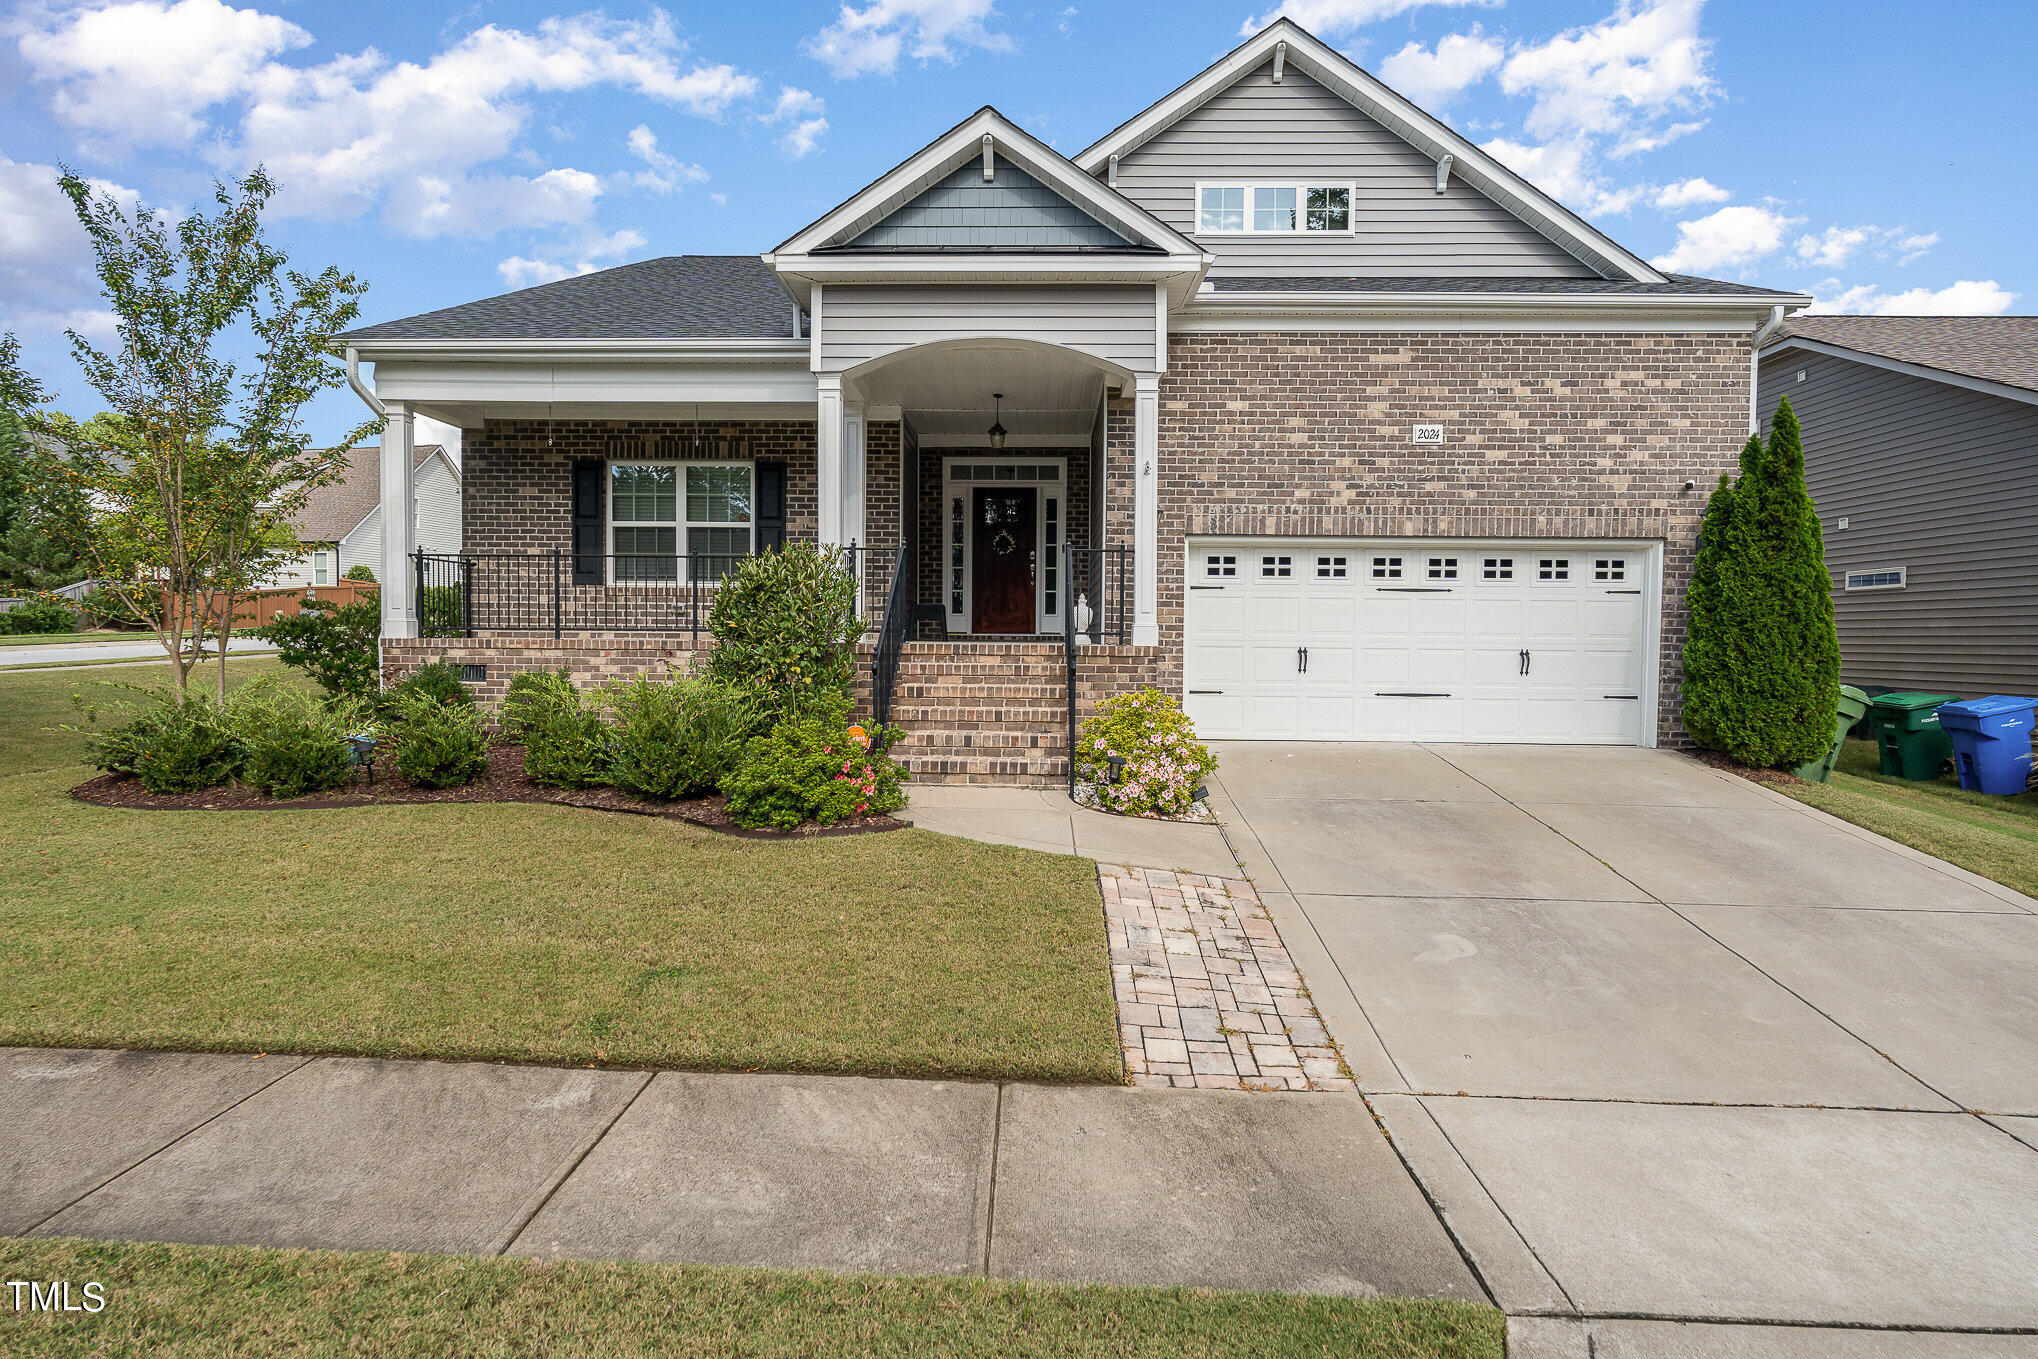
(588, 551)
(770, 505)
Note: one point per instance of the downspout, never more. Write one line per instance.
(1755, 343)
(361, 388)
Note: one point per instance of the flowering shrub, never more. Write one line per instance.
(1164, 762)
(813, 769)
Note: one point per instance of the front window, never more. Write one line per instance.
(321, 568)
(661, 512)
(1273, 209)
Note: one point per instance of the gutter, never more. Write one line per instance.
(1464, 301)
(1755, 341)
(740, 349)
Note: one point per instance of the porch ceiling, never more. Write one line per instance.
(1051, 396)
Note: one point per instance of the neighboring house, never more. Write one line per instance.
(1319, 416)
(1921, 449)
(341, 523)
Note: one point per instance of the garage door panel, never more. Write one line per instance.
(1452, 627)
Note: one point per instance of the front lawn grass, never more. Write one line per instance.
(1996, 837)
(531, 933)
(203, 1300)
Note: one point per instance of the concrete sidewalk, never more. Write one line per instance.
(1064, 1184)
(145, 649)
(1047, 819)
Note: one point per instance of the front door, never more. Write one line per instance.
(1001, 559)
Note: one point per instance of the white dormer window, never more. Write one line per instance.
(1273, 209)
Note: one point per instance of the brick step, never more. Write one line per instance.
(915, 650)
(968, 718)
(1015, 771)
(967, 695)
(1016, 670)
(929, 742)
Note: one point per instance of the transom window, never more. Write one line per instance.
(661, 511)
(1443, 568)
(1273, 209)
(1386, 568)
(1220, 566)
(1610, 568)
(1276, 566)
(1498, 568)
(1330, 568)
(1553, 568)
(1887, 578)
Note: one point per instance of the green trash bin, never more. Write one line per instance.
(1908, 735)
(1853, 703)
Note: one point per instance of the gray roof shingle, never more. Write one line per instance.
(673, 297)
(334, 510)
(1678, 285)
(1994, 348)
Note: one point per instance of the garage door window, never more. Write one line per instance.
(1220, 567)
(1330, 568)
(1443, 568)
(1386, 568)
(1498, 568)
(1279, 567)
(1553, 568)
(1610, 568)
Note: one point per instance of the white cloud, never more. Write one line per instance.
(1732, 238)
(1563, 170)
(1968, 297)
(1634, 143)
(1833, 248)
(426, 430)
(870, 41)
(1686, 193)
(145, 72)
(1330, 18)
(1430, 78)
(1615, 77)
(594, 251)
(802, 109)
(664, 173)
(46, 278)
(1918, 246)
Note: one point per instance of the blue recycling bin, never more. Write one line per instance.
(1991, 742)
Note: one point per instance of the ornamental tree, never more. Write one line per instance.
(1761, 659)
(188, 488)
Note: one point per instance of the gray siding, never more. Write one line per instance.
(1012, 211)
(1299, 129)
(1936, 479)
(1114, 323)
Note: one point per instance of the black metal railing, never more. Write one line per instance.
(892, 631)
(1068, 656)
(1100, 582)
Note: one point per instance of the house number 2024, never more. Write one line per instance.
(1429, 435)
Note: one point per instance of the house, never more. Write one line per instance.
(340, 525)
(1304, 407)
(1921, 451)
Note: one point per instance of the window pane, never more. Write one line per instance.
(1273, 209)
(647, 554)
(718, 495)
(1330, 209)
(644, 493)
(1223, 209)
(715, 552)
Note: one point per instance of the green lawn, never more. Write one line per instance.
(1996, 837)
(193, 1300)
(531, 933)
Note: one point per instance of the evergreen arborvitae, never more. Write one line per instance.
(1762, 663)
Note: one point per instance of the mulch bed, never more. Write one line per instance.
(504, 780)
(1727, 766)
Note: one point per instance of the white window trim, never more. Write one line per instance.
(681, 522)
(1043, 621)
(1903, 579)
(322, 565)
(1301, 187)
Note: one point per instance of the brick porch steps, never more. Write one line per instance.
(983, 712)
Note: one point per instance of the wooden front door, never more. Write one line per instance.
(1002, 546)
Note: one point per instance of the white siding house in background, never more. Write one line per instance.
(341, 525)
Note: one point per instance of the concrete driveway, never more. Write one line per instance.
(1661, 1043)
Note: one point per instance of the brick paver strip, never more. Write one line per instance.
(1207, 994)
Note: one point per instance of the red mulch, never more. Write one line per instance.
(504, 780)
(1725, 765)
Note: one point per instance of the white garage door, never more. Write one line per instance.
(1413, 640)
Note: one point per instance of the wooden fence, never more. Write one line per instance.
(252, 611)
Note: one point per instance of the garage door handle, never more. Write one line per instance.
(1524, 663)
(1206, 587)
(1206, 691)
(1397, 694)
(1620, 695)
(1623, 592)
(1415, 589)
(1301, 660)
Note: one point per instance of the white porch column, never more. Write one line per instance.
(399, 582)
(1146, 438)
(829, 473)
(852, 493)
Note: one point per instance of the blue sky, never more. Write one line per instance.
(1875, 154)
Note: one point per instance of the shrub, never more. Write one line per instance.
(534, 695)
(442, 611)
(173, 746)
(296, 744)
(360, 571)
(440, 682)
(107, 609)
(1164, 762)
(813, 769)
(678, 738)
(439, 745)
(118, 749)
(39, 614)
(336, 645)
(785, 625)
(1761, 659)
(567, 747)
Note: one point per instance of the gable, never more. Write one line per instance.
(1012, 210)
(1300, 130)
